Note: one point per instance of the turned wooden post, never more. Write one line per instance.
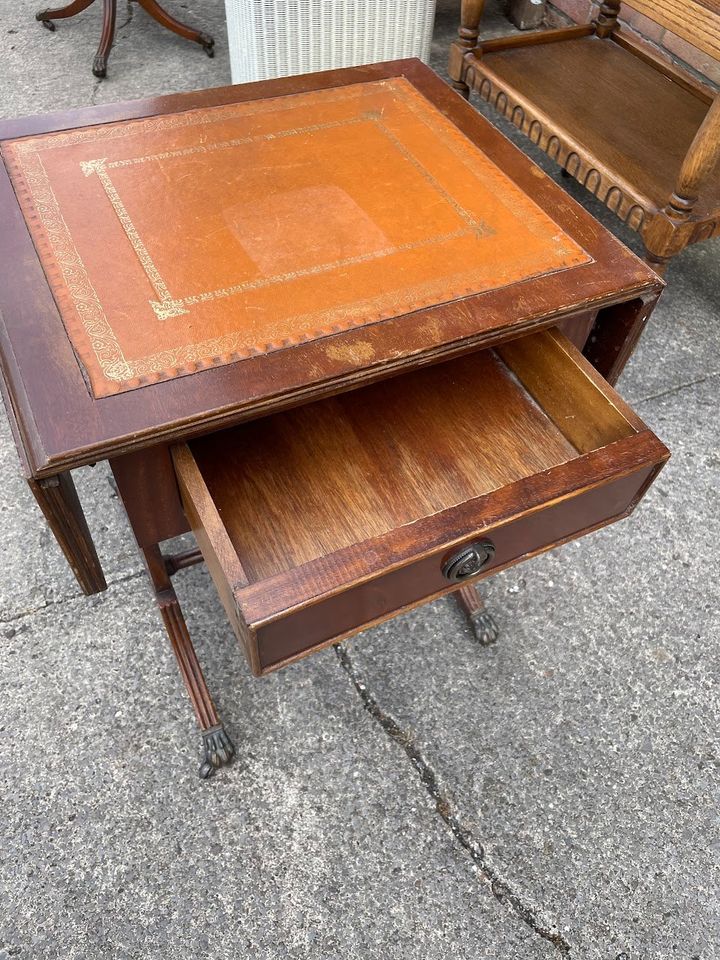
(470, 14)
(697, 166)
(607, 18)
(665, 234)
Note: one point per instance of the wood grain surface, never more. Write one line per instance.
(344, 511)
(308, 482)
(298, 626)
(644, 137)
(652, 155)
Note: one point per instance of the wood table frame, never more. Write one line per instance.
(58, 426)
(666, 223)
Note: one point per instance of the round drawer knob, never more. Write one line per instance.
(468, 561)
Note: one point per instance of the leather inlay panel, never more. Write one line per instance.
(196, 239)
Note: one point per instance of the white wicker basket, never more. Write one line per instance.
(277, 38)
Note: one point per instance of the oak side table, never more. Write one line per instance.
(337, 325)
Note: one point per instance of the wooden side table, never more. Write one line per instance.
(352, 338)
(107, 36)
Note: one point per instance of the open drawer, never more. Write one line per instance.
(317, 522)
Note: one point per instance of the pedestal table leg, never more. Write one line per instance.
(99, 67)
(182, 30)
(46, 17)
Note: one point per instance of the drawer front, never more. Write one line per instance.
(340, 615)
(321, 521)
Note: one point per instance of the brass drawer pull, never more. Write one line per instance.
(468, 561)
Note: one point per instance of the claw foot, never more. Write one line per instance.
(218, 748)
(99, 67)
(41, 17)
(207, 43)
(485, 628)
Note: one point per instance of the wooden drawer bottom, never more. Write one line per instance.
(317, 522)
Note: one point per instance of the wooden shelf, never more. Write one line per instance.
(631, 117)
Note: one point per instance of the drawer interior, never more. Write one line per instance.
(306, 483)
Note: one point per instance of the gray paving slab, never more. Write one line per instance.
(320, 841)
(581, 751)
(681, 344)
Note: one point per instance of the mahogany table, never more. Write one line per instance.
(337, 325)
(49, 15)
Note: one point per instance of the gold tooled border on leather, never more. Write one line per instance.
(73, 288)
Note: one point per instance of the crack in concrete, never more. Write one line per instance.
(95, 91)
(679, 388)
(22, 614)
(501, 889)
(129, 17)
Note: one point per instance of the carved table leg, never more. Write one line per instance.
(470, 14)
(163, 17)
(61, 508)
(484, 626)
(218, 748)
(46, 17)
(99, 67)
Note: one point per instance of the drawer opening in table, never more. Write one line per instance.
(296, 509)
(307, 482)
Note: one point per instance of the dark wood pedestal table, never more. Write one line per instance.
(338, 326)
(49, 15)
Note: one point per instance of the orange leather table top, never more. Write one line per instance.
(196, 239)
